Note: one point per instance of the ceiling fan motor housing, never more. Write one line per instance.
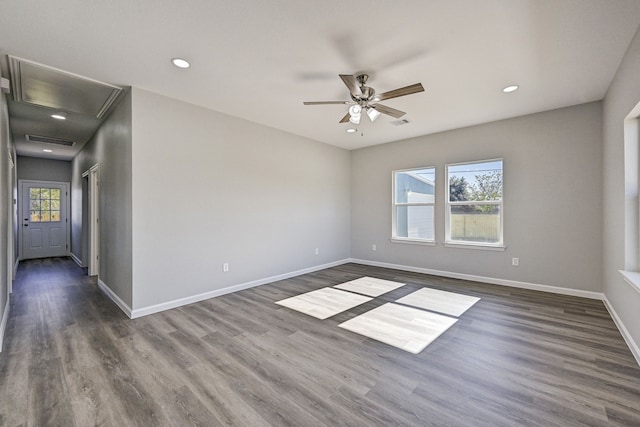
(367, 95)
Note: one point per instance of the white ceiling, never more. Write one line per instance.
(260, 60)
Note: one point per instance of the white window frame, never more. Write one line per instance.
(410, 240)
(631, 272)
(498, 246)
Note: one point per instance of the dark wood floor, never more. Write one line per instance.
(515, 358)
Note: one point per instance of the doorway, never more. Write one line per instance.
(91, 233)
(44, 230)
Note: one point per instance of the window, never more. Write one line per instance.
(44, 204)
(474, 203)
(413, 205)
(631, 186)
(631, 271)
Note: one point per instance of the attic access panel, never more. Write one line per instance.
(44, 86)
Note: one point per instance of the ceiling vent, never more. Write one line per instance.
(37, 84)
(400, 122)
(49, 140)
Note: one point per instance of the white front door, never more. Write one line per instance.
(44, 219)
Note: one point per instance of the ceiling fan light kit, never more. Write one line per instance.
(355, 113)
(373, 114)
(364, 97)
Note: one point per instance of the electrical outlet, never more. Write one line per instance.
(515, 262)
(317, 251)
(374, 247)
(225, 267)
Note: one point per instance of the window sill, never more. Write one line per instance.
(475, 246)
(413, 241)
(632, 278)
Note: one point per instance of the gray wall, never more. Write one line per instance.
(37, 169)
(110, 147)
(621, 98)
(210, 188)
(7, 191)
(552, 198)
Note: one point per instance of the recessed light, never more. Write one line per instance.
(352, 130)
(510, 89)
(180, 63)
(59, 116)
(46, 150)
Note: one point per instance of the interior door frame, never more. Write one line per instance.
(21, 184)
(93, 175)
(11, 224)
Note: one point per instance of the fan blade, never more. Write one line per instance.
(324, 102)
(388, 110)
(345, 119)
(351, 83)
(407, 90)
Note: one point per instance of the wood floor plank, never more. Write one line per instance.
(91, 400)
(220, 395)
(517, 357)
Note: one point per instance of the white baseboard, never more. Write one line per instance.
(15, 267)
(483, 279)
(633, 346)
(145, 311)
(76, 259)
(115, 298)
(3, 324)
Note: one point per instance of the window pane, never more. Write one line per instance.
(475, 181)
(415, 186)
(415, 222)
(45, 193)
(55, 205)
(34, 193)
(55, 216)
(35, 205)
(475, 223)
(45, 216)
(55, 193)
(45, 205)
(35, 216)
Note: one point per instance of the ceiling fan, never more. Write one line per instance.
(365, 98)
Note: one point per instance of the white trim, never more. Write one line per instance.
(633, 346)
(76, 259)
(632, 278)
(3, 324)
(15, 269)
(413, 241)
(468, 245)
(93, 216)
(491, 280)
(144, 311)
(115, 298)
